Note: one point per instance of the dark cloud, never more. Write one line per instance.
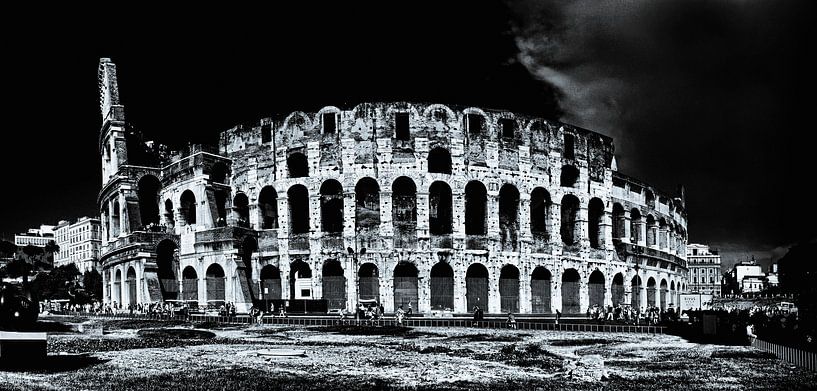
(713, 95)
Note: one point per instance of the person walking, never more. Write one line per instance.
(511, 321)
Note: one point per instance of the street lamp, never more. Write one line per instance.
(354, 255)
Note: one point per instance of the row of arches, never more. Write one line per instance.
(647, 229)
(406, 284)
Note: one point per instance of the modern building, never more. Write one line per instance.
(744, 277)
(35, 236)
(80, 243)
(704, 269)
(443, 208)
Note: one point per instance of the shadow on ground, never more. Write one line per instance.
(53, 364)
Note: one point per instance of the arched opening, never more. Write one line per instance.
(170, 218)
(367, 205)
(369, 282)
(570, 174)
(404, 212)
(188, 206)
(440, 209)
(652, 231)
(405, 286)
(540, 214)
(595, 288)
(215, 284)
(649, 198)
(673, 295)
(476, 287)
(270, 283)
(619, 222)
(300, 280)
(298, 210)
(167, 262)
(241, 209)
(439, 161)
(297, 165)
(268, 206)
(570, 218)
(595, 222)
(190, 284)
(248, 246)
(132, 287)
(442, 287)
(334, 284)
(509, 217)
(650, 292)
(116, 290)
(635, 226)
(476, 201)
(116, 221)
(635, 287)
(540, 290)
(148, 193)
(662, 233)
(618, 290)
(509, 289)
(331, 206)
(221, 208)
(570, 292)
(662, 299)
(218, 173)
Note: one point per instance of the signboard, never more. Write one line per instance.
(694, 301)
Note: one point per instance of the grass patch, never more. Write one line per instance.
(489, 337)
(365, 330)
(529, 356)
(176, 334)
(742, 354)
(435, 349)
(135, 324)
(580, 342)
(89, 345)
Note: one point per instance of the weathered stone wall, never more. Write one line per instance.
(509, 155)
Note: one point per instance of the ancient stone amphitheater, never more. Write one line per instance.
(436, 207)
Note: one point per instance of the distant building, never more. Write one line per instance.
(79, 243)
(35, 236)
(772, 280)
(744, 277)
(704, 269)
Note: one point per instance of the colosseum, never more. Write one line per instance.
(439, 207)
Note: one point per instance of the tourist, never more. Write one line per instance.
(398, 315)
(511, 321)
(558, 316)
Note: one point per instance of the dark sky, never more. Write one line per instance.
(717, 96)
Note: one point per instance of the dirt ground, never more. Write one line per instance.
(117, 355)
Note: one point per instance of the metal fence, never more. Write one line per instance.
(409, 322)
(797, 357)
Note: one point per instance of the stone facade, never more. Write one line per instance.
(427, 205)
(704, 270)
(79, 243)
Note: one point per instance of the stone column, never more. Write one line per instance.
(627, 228)
(494, 298)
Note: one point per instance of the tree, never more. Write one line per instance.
(7, 249)
(60, 283)
(92, 281)
(19, 268)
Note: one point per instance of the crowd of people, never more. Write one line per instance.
(629, 315)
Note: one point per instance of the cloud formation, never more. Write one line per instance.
(708, 94)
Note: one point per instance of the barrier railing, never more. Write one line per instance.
(798, 357)
(409, 322)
